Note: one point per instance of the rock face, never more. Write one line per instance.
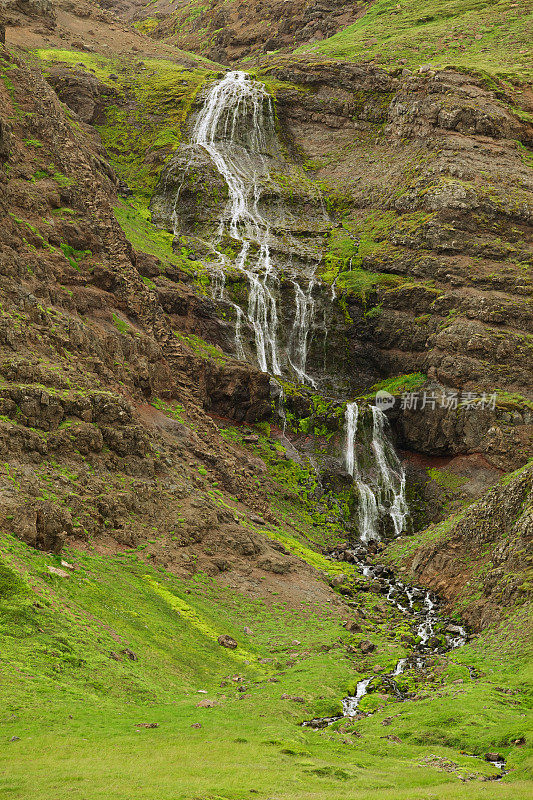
(436, 154)
(87, 347)
(483, 559)
(429, 262)
(82, 92)
(224, 33)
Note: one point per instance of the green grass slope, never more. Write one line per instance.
(74, 705)
(494, 37)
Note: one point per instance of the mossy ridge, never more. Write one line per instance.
(155, 99)
(397, 385)
(475, 34)
(135, 220)
(202, 348)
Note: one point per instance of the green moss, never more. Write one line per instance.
(147, 25)
(135, 221)
(73, 256)
(493, 38)
(399, 384)
(201, 347)
(448, 480)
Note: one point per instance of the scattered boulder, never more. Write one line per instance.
(59, 572)
(147, 725)
(207, 704)
(227, 641)
(337, 580)
(196, 725)
(274, 565)
(352, 626)
(366, 646)
(293, 698)
(453, 629)
(130, 654)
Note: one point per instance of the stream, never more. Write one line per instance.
(236, 128)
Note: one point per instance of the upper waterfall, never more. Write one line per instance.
(236, 128)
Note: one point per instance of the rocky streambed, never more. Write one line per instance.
(432, 633)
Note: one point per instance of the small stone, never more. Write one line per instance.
(196, 725)
(248, 631)
(206, 704)
(147, 725)
(257, 520)
(202, 691)
(378, 668)
(67, 565)
(227, 641)
(59, 572)
(337, 580)
(453, 629)
(15, 739)
(352, 626)
(130, 654)
(493, 757)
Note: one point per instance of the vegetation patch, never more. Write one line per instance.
(494, 38)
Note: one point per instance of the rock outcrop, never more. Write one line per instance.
(480, 561)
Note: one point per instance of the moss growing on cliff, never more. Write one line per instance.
(145, 117)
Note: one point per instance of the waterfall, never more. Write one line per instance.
(384, 493)
(392, 475)
(351, 417)
(236, 128)
(303, 322)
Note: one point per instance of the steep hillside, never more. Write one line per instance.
(477, 34)
(210, 532)
(230, 31)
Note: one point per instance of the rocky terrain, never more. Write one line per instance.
(160, 493)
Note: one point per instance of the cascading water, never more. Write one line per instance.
(303, 321)
(381, 487)
(236, 128)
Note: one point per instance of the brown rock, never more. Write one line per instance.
(227, 641)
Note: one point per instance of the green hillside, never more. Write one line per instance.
(491, 36)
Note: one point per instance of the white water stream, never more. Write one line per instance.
(236, 128)
(381, 487)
